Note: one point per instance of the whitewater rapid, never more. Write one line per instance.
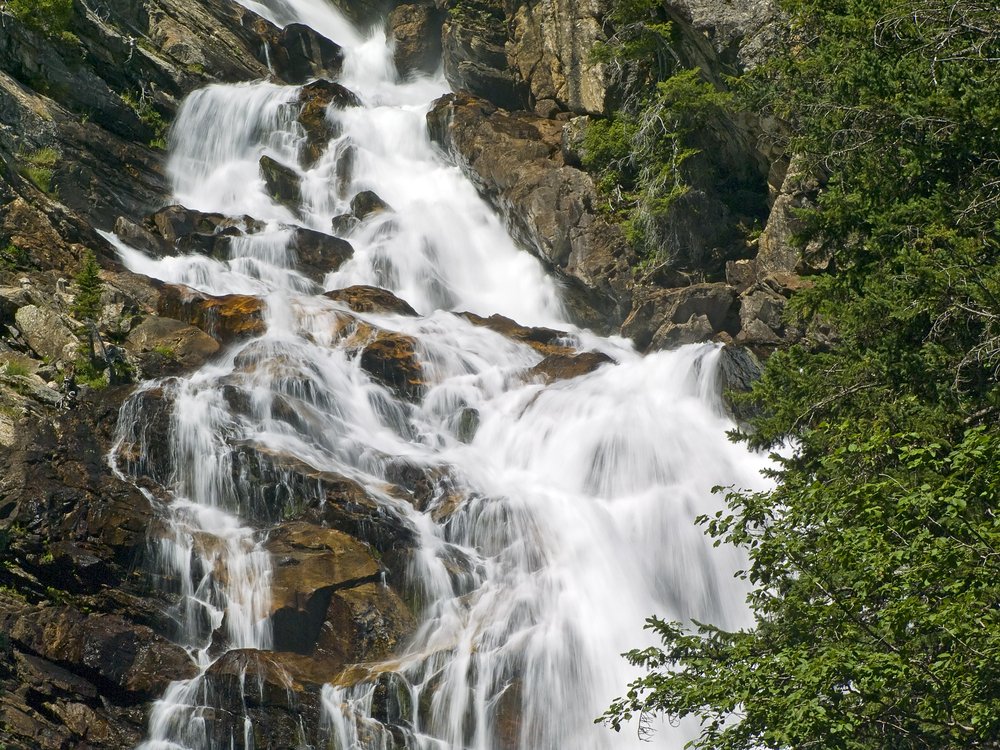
(579, 496)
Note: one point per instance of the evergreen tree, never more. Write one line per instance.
(876, 560)
(87, 302)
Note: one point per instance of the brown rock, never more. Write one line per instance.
(368, 299)
(416, 33)
(316, 97)
(132, 657)
(318, 254)
(298, 53)
(566, 366)
(225, 318)
(391, 358)
(543, 340)
(170, 340)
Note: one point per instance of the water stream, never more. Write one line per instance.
(577, 497)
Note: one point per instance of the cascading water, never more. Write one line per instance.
(577, 497)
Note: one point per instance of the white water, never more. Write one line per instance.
(580, 495)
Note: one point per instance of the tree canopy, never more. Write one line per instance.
(876, 560)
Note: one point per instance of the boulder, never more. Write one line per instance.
(225, 318)
(370, 299)
(391, 359)
(47, 334)
(316, 97)
(318, 254)
(367, 203)
(739, 369)
(284, 184)
(415, 31)
(156, 342)
(566, 366)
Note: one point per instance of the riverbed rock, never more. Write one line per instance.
(567, 366)
(667, 318)
(391, 359)
(371, 299)
(225, 318)
(545, 341)
(284, 184)
(317, 254)
(316, 97)
(298, 53)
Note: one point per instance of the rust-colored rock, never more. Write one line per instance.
(368, 299)
(391, 358)
(225, 318)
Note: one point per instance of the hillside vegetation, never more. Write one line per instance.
(876, 561)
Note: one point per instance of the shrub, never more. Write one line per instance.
(51, 17)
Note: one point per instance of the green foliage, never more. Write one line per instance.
(637, 154)
(13, 368)
(876, 560)
(13, 257)
(150, 117)
(89, 287)
(38, 166)
(51, 17)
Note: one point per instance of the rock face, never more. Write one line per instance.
(550, 47)
(415, 31)
(315, 98)
(225, 318)
(516, 161)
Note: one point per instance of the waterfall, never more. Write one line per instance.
(559, 515)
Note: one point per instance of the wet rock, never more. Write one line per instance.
(318, 254)
(362, 624)
(159, 342)
(391, 359)
(298, 53)
(370, 299)
(47, 334)
(316, 97)
(225, 318)
(665, 318)
(516, 162)
(545, 341)
(367, 203)
(141, 238)
(283, 183)
(415, 31)
(566, 366)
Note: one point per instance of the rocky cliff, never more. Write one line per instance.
(86, 637)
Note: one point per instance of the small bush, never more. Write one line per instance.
(51, 17)
(149, 116)
(13, 257)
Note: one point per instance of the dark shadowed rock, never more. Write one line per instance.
(368, 299)
(367, 203)
(283, 183)
(739, 369)
(318, 254)
(297, 53)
